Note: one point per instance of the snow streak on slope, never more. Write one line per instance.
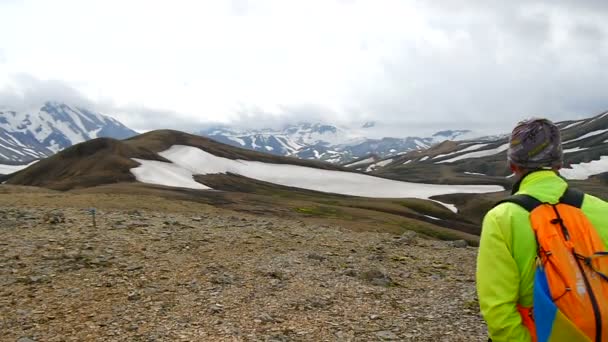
(478, 154)
(575, 149)
(572, 125)
(466, 149)
(188, 161)
(361, 162)
(590, 134)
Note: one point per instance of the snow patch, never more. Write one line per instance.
(237, 140)
(8, 169)
(381, 163)
(583, 171)
(161, 173)
(188, 161)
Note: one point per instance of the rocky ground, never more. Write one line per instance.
(213, 275)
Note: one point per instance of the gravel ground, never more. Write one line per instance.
(221, 276)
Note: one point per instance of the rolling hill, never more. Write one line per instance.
(179, 165)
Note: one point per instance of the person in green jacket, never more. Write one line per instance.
(507, 248)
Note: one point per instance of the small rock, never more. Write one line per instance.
(279, 338)
(223, 279)
(54, 217)
(409, 237)
(315, 256)
(25, 339)
(386, 335)
(216, 309)
(377, 277)
(350, 272)
(135, 213)
(266, 318)
(459, 244)
(134, 296)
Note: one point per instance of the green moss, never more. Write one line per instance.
(323, 211)
(446, 235)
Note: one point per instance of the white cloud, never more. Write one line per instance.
(425, 64)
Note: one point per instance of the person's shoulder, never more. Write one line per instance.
(505, 208)
(593, 202)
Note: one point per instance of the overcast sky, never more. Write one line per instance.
(179, 64)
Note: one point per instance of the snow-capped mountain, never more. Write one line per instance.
(585, 146)
(326, 142)
(26, 136)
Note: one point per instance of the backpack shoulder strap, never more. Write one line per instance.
(573, 197)
(525, 201)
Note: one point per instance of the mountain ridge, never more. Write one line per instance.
(26, 136)
(326, 142)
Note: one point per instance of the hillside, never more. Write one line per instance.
(105, 160)
(585, 144)
(175, 164)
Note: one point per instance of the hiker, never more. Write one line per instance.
(507, 264)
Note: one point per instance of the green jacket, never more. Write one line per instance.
(507, 252)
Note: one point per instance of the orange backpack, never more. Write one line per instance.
(571, 282)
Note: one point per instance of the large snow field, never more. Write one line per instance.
(187, 161)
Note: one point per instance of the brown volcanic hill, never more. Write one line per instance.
(95, 162)
(106, 161)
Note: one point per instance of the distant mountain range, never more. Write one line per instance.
(483, 161)
(338, 145)
(26, 136)
(449, 156)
